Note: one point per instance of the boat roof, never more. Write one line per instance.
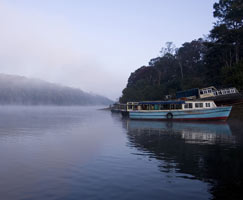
(169, 102)
(210, 87)
(160, 102)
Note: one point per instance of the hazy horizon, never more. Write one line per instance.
(94, 45)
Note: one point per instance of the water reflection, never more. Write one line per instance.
(203, 151)
(200, 133)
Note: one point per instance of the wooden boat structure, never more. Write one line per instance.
(176, 110)
(118, 107)
(224, 96)
(193, 104)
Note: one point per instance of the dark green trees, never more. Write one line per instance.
(176, 69)
(217, 60)
(225, 48)
(228, 29)
(190, 58)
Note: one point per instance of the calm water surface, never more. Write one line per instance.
(86, 153)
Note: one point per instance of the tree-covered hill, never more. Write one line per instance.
(216, 60)
(18, 90)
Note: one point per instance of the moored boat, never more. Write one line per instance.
(224, 96)
(177, 110)
(118, 108)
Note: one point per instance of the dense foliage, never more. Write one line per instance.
(216, 60)
(19, 90)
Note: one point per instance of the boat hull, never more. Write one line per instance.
(219, 113)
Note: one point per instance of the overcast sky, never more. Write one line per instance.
(94, 45)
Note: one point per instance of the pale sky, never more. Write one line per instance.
(94, 45)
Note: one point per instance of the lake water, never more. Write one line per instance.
(86, 153)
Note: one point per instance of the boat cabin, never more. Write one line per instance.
(207, 92)
(226, 91)
(118, 107)
(188, 94)
(169, 105)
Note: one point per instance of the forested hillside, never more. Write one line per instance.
(19, 90)
(216, 60)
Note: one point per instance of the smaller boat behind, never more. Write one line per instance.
(118, 108)
(224, 96)
(177, 110)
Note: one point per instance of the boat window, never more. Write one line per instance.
(188, 105)
(156, 107)
(201, 92)
(176, 106)
(172, 106)
(166, 106)
(198, 105)
(143, 107)
(210, 91)
(207, 105)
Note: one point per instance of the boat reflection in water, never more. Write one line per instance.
(207, 152)
(201, 133)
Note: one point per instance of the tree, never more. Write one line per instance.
(225, 40)
(228, 30)
(169, 48)
(190, 58)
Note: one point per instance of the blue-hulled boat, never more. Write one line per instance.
(177, 110)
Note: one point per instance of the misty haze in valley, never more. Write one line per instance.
(19, 90)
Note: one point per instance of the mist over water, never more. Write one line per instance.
(19, 90)
(51, 152)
